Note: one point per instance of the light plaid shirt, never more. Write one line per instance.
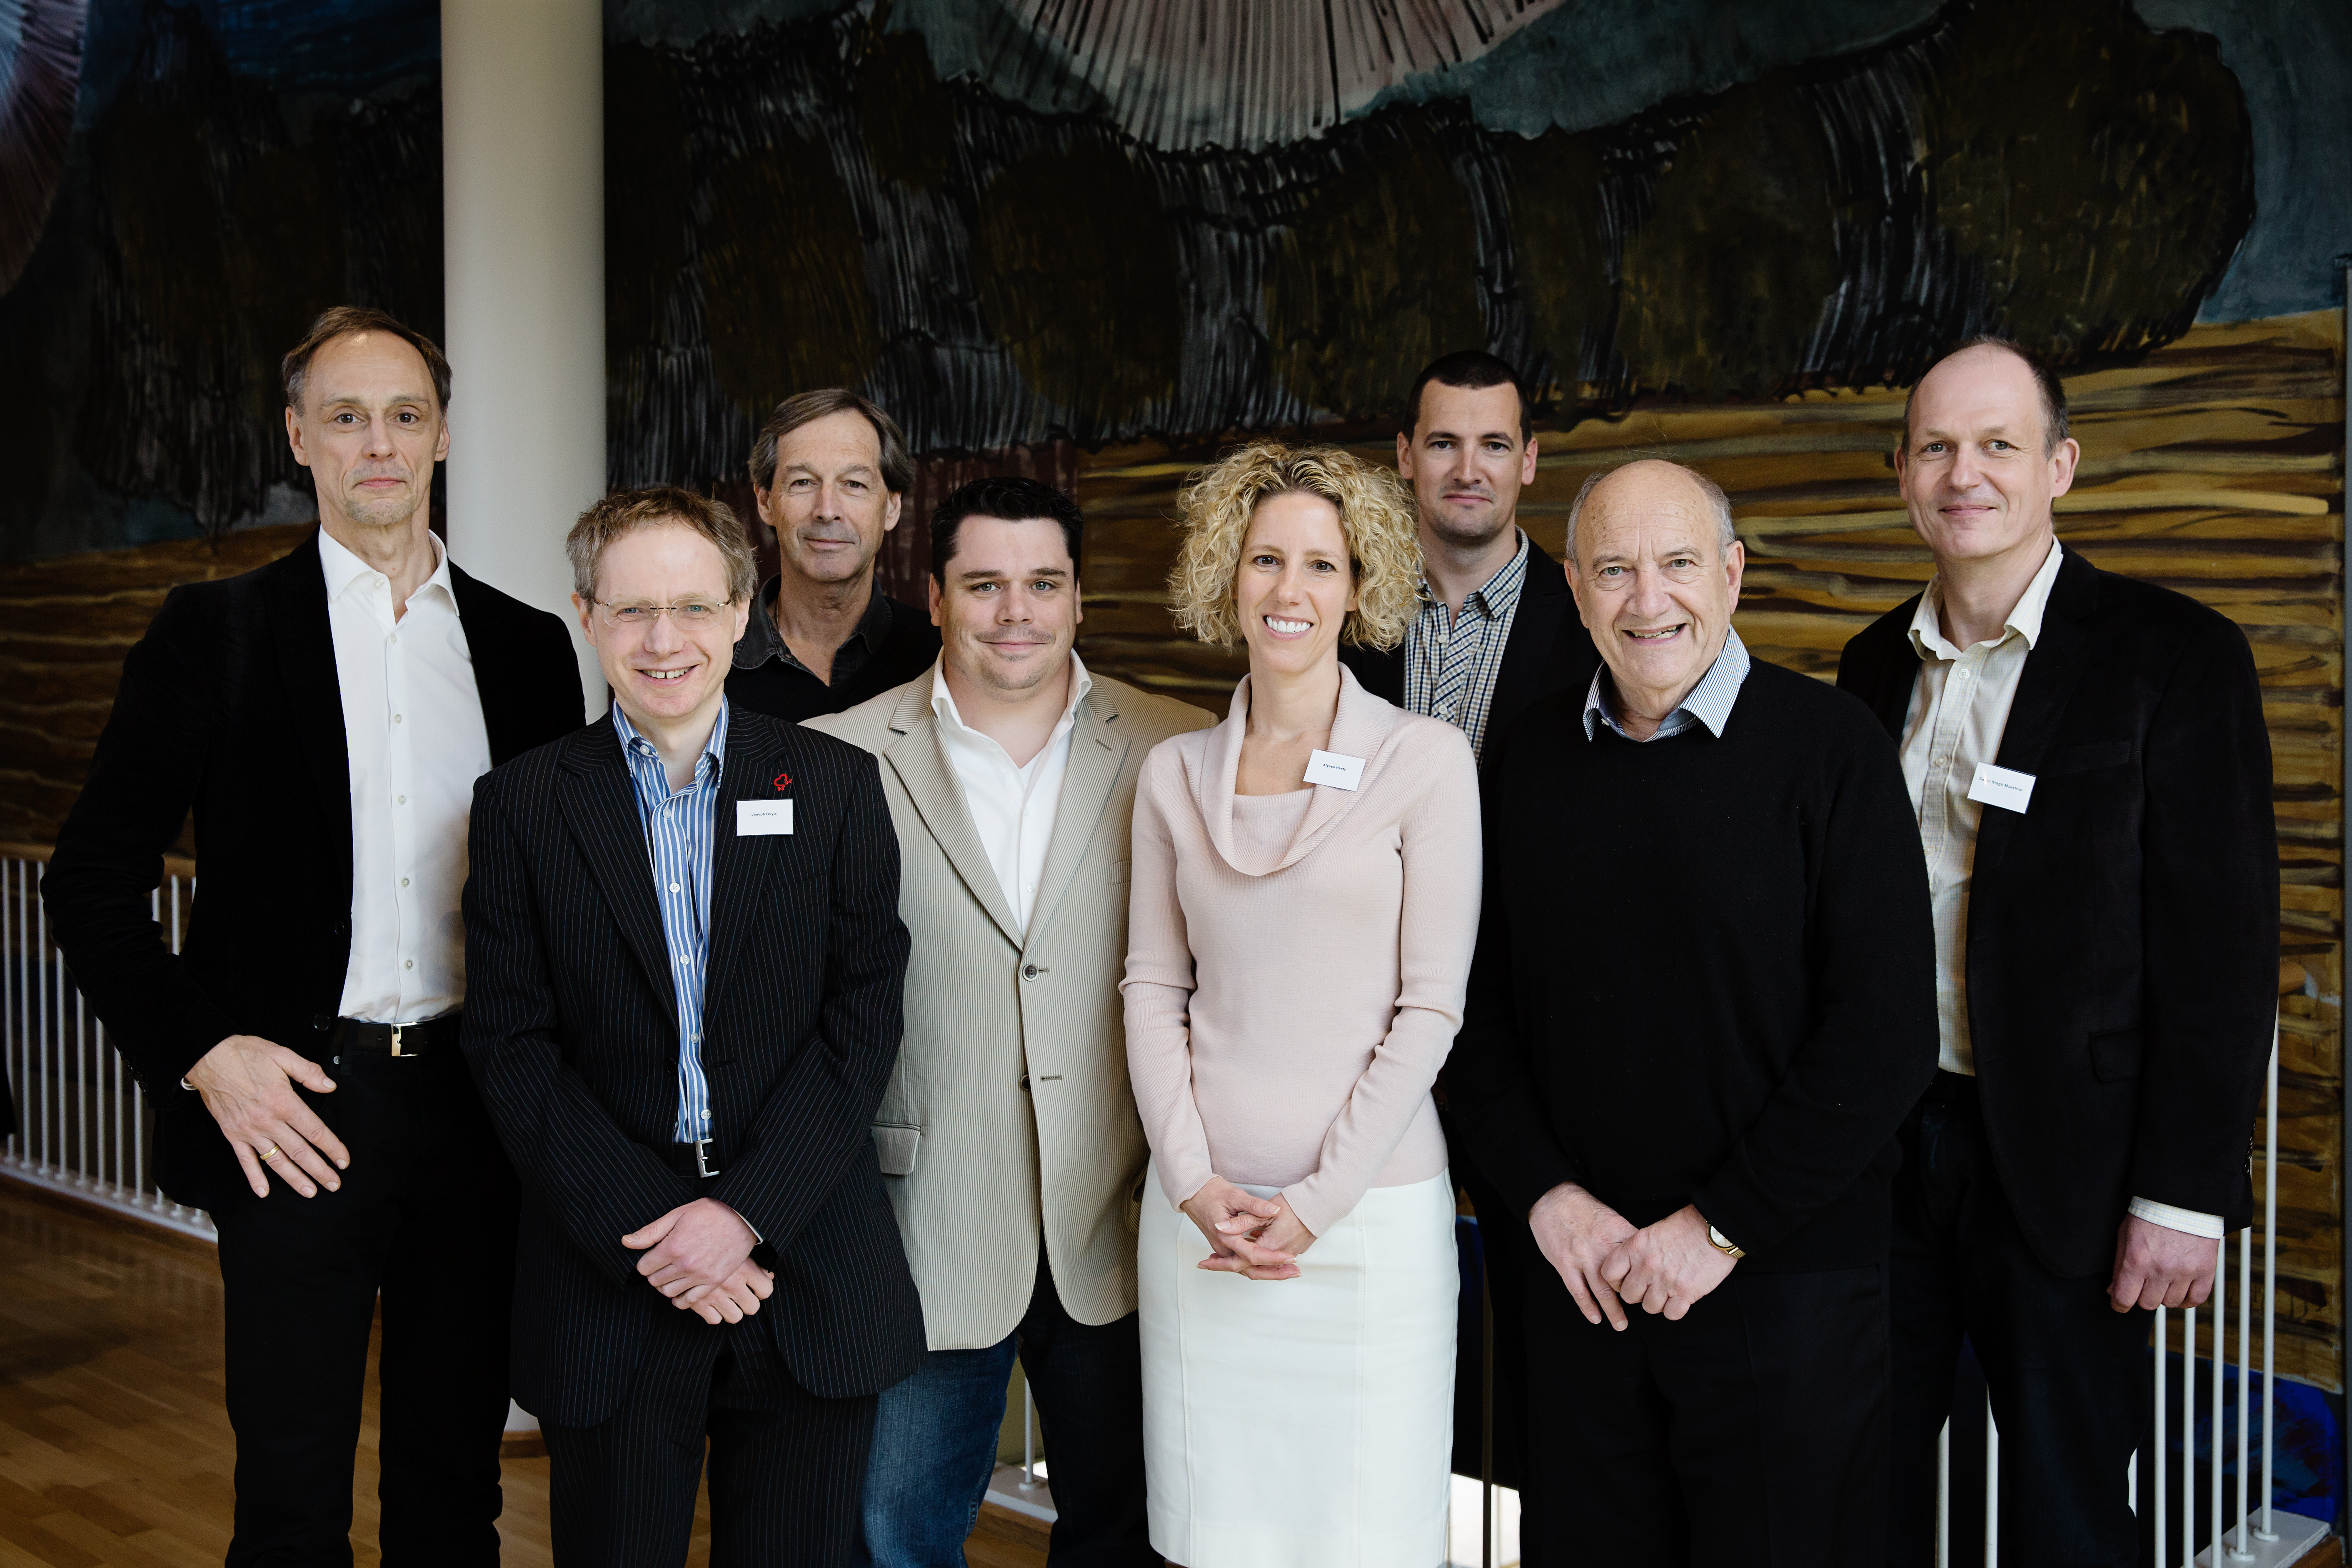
(1451, 661)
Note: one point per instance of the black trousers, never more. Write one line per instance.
(785, 1466)
(1753, 1431)
(426, 1217)
(2068, 1372)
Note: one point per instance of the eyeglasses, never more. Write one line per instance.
(686, 615)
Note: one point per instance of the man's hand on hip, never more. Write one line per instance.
(1576, 1231)
(1668, 1266)
(248, 1083)
(695, 1246)
(2156, 1266)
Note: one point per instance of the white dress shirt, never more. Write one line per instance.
(1011, 807)
(1959, 709)
(413, 730)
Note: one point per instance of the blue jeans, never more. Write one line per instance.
(935, 1443)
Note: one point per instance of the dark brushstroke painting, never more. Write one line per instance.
(1073, 232)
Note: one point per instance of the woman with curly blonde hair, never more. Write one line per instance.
(1305, 882)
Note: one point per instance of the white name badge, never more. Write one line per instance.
(1331, 768)
(756, 818)
(2004, 787)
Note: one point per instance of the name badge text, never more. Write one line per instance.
(756, 818)
(1331, 768)
(2003, 787)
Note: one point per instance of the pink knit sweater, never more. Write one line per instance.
(1284, 1022)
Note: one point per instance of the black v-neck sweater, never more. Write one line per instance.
(1706, 972)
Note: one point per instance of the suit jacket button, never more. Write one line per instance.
(1029, 972)
(1025, 1083)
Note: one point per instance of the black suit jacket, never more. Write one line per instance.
(1548, 650)
(2123, 932)
(229, 705)
(572, 1028)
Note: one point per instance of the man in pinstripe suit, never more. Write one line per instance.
(684, 922)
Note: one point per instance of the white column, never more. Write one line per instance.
(522, 126)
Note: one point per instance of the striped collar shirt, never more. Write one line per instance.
(1709, 702)
(680, 826)
(1452, 661)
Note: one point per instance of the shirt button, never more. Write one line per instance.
(408, 963)
(673, 887)
(706, 1116)
(396, 718)
(400, 800)
(403, 881)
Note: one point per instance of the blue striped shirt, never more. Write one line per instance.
(1709, 702)
(679, 829)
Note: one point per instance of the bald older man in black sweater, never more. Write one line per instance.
(1703, 1002)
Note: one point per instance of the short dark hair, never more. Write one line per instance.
(1473, 369)
(1010, 498)
(807, 407)
(660, 505)
(2055, 424)
(343, 319)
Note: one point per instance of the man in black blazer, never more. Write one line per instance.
(684, 922)
(2092, 775)
(325, 717)
(1497, 630)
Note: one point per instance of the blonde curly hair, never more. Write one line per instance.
(1376, 518)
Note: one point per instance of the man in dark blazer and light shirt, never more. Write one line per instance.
(684, 920)
(2091, 774)
(325, 717)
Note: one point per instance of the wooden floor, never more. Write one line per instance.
(114, 1447)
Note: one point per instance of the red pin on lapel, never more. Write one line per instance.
(784, 781)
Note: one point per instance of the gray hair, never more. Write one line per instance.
(1719, 503)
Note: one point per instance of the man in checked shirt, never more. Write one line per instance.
(1497, 630)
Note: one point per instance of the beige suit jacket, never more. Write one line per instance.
(1009, 1116)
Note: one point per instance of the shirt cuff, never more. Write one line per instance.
(2185, 1220)
(762, 1241)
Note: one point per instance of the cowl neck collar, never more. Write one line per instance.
(1363, 727)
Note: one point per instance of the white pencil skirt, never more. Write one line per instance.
(1299, 1422)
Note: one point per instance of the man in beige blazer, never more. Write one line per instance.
(1008, 1138)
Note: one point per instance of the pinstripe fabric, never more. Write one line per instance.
(571, 1027)
(786, 1468)
(677, 824)
(1451, 662)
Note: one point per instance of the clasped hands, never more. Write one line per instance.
(1257, 1238)
(1605, 1261)
(700, 1256)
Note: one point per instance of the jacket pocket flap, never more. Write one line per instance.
(2081, 759)
(894, 1146)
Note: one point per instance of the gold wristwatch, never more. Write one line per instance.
(1722, 1242)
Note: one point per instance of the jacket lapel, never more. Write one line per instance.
(2052, 671)
(740, 867)
(601, 812)
(1097, 753)
(507, 714)
(1895, 677)
(930, 784)
(305, 643)
(1544, 602)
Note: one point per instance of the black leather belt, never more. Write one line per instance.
(432, 1038)
(693, 1161)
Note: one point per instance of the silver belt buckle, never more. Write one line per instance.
(702, 1167)
(395, 1039)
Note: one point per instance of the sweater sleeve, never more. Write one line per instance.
(1491, 1090)
(1871, 950)
(1157, 990)
(1438, 929)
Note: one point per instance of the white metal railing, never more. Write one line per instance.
(83, 1127)
(2262, 1536)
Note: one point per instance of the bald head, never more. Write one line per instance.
(1654, 564)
